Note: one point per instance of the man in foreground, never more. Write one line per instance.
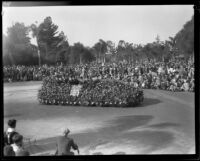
(64, 144)
(10, 132)
(18, 146)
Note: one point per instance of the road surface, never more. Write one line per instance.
(163, 124)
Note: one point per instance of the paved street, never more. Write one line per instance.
(163, 124)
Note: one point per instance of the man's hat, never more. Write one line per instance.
(65, 130)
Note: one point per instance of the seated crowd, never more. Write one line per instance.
(176, 75)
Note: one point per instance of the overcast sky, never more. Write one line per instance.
(88, 24)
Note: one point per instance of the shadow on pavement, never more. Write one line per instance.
(11, 115)
(150, 140)
(149, 101)
(115, 130)
(163, 125)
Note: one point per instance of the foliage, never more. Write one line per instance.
(17, 48)
(79, 54)
(100, 50)
(185, 38)
(52, 46)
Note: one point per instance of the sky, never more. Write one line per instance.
(87, 24)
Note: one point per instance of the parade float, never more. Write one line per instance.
(56, 90)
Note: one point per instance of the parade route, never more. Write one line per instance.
(163, 124)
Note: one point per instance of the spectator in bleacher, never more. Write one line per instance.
(151, 74)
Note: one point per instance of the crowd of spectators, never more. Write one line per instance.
(14, 145)
(13, 141)
(176, 75)
(24, 73)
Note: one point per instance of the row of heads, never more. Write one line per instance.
(12, 124)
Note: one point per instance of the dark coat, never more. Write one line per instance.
(64, 145)
(9, 140)
(8, 151)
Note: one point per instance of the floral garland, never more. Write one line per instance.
(104, 93)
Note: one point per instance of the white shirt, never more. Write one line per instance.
(160, 70)
(15, 147)
(9, 130)
(186, 86)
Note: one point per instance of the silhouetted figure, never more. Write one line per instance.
(18, 146)
(10, 132)
(8, 151)
(64, 144)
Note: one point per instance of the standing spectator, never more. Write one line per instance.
(185, 86)
(64, 144)
(10, 133)
(18, 146)
(8, 151)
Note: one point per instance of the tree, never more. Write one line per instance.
(76, 53)
(125, 51)
(111, 51)
(170, 46)
(101, 49)
(79, 54)
(157, 39)
(63, 48)
(111, 47)
(97, 50)
(48, 40)
(35, 30)
(167, 52)
(17, 48)
(128, 51)
(88, 56)
(121, 50)
(185, 38)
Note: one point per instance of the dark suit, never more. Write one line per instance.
(64, 145)
(9, 141)
(8, 151)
